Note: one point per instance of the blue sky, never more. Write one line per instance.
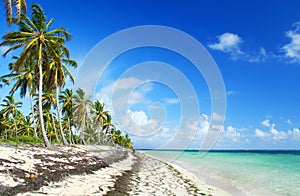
(256, 45)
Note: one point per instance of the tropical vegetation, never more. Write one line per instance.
(58, 114)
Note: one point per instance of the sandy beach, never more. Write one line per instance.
(93, 170)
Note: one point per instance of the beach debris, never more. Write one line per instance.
(85, 159)
(32, 176)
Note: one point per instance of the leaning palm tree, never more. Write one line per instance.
(81, 108)
(19, 5)
(10, 110)
(38, 42)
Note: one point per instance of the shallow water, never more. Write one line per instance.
(248, 172)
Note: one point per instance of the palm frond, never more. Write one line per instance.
(8, 12)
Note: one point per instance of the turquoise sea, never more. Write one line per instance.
(257, 172)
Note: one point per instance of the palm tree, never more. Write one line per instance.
(20, 6)
(66, 98)
(127, 142)
(26, 126)
(81, 108)
(59, 71)
(107, 124)
(5, 126)
(98, 116)
(10, 110)
(25, 79)
(39, 43)
(48, 100)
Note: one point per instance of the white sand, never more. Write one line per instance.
(154, 177)
(165, 178)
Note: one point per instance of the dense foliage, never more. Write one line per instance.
(40, 72)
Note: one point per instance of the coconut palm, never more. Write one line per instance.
(59, 71)
(19, 5)
(38, 42)
(127, 142)
(26, 128)
(5, 126)
(98, 116)
(66, 98)
(48, 100)
(10, 110)
(81, 108)
(25, 80)
(108, 124)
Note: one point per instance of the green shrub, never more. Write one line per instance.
(27, 139)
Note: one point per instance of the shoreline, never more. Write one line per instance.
(211, 177)
(219, 189)
(93, 170)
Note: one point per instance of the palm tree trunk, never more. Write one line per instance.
(70, 132)
(15, 126)
(46, 141)
(59, 120)
(82, 131)
(54, 127)
(33, 118)
(16, 130)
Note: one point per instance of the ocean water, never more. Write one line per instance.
(242, 172)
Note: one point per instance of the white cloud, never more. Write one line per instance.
(266, 123)
(233, 134)
(261, 56)
(138, 123)
(278, 135)
(139, 117)
(172, 101)
(292, 49)
(231, 43)
(289, 122)
(260, 133)
(228, 42)
(295, 134)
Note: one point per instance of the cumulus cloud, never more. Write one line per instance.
(259, 133)
(266, 123)
(295, 134)
(233, 134)
(292, 49)
(138, 123)
(278, 135)
(229, 43)
(139, 117)
(274, 134)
